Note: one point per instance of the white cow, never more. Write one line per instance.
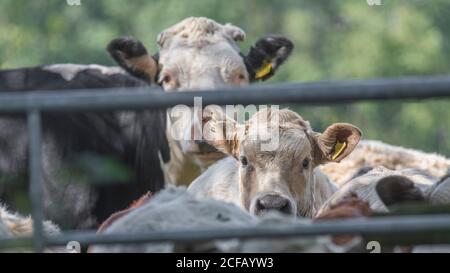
(199, 53)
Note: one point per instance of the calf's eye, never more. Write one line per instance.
(244, 161)
(305, 163)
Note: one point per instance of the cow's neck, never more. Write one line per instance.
(184, 168)
(181, 169)
(324, 188)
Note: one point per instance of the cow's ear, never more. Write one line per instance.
(336, 142)
(236, 33)
(266, 56)
(132, 56)
(396, 189)
(222, 132)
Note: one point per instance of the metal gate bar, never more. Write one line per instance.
(299, 93)
(35, 172)
(431, 225)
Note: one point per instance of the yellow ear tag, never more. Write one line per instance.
(338, 149)
(263, 71)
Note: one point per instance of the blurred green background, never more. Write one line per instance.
(334, 40)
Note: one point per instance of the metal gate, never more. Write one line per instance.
(406, 228)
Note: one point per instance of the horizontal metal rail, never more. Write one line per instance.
(400, 226)
(391, 225)
(300, 93)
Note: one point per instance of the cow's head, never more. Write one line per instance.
(199, 53)
(384, 189)
(280, 177)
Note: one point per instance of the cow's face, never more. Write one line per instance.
(199, 53)
(278, 177)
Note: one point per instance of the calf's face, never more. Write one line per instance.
(277, 152)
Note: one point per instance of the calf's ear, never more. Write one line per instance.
(266, 56)
(222, 132)
(336, 142)
(132, 56)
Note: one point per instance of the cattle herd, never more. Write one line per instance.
(232, 181)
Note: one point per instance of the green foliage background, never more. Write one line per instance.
(334, 40)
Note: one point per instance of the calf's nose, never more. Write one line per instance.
(273, 202)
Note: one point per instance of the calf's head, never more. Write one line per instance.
(278, 177)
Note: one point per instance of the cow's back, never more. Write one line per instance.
(220, 181)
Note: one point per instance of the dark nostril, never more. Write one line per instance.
(273, 202)
(286, 208)
(259, 205)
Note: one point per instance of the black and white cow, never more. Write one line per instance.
(74, 142)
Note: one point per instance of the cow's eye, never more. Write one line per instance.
(166, 79)
(238, 78)
(305, 163)
(244, 161)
